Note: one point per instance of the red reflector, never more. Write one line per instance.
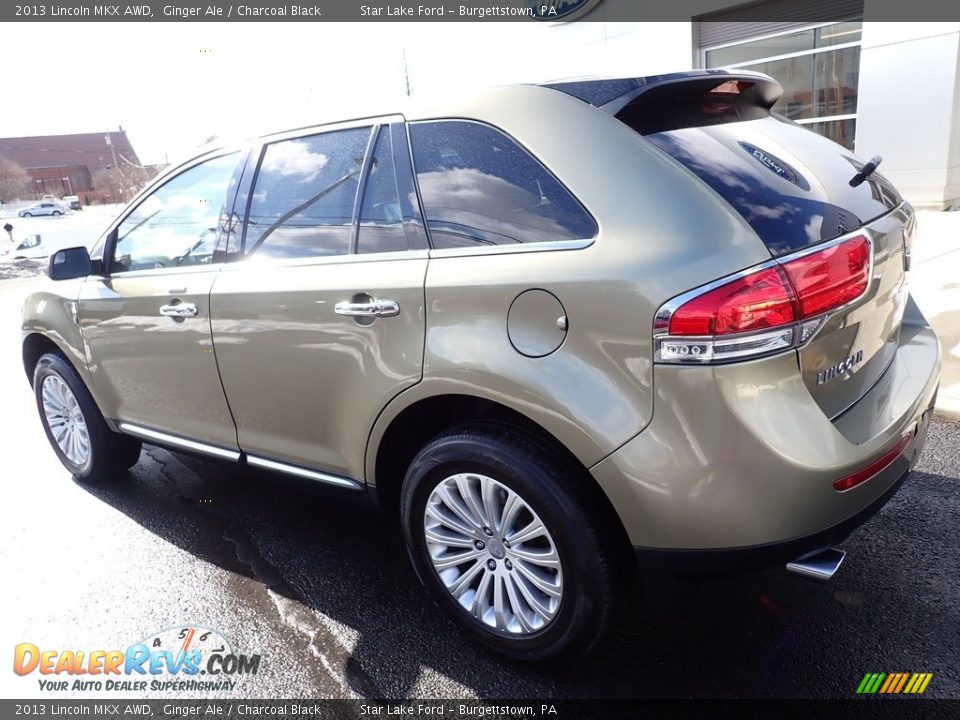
(845, 483)
(757, 301)
(830, 278)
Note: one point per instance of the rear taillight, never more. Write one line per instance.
(829, 278)
(773, 307)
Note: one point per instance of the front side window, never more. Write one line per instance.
(303, 196)
(176, 225)
(480, 188)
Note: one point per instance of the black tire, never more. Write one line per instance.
(56, 213)
(110, 453)
(558, 493)
(26, 214)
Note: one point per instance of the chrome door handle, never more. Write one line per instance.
(375, 308)
(179, 310)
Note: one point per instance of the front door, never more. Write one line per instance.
(146, 320)
(321, 322)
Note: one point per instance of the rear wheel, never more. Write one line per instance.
(74, 426)
(509, 543)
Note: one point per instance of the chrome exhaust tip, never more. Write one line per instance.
(819, 565)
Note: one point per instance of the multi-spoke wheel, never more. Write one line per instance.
(65, 419)
(508, 540)
(493, 553)
(74, 426)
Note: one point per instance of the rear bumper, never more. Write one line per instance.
(739, 460)
(743, 559)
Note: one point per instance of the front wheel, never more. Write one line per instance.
(26, 214)
(79, 435)
(509, 542)
(56, 213)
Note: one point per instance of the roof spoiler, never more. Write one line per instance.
(664, 102)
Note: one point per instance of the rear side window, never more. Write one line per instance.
(479, 187)
(303, 196)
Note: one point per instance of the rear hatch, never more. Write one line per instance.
(794, 189)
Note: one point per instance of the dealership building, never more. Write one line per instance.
(878, 88)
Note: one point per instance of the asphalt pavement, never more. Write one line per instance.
(320, 587)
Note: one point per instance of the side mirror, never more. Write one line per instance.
(69, 263)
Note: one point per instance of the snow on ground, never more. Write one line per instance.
(75, 228)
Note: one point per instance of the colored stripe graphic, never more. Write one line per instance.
(894, 683)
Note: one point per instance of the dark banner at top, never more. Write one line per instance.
(548, 11)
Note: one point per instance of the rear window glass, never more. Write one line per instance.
(479, 187)
(381, 217)
(303, 196)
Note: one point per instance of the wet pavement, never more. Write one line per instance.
(318, 584)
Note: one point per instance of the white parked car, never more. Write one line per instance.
(33, 247)
(44, 207)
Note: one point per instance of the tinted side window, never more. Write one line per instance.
(480, 188)
(303, 196)
(176, 225)
(381, 218)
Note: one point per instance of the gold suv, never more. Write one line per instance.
(551, 327)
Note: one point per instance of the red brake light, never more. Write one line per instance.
(850, 481)
(731, 87)
(757, 301)
(830, 278)
(772, 297)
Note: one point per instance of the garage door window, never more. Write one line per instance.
(819, 68)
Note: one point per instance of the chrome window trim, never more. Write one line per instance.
(661, 319)
(321, 129)
(250, 262)
(150, 272)
(550, 246)
(337, 480)
(167, 439)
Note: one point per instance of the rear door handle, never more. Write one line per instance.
(179, 310)
(374, 308)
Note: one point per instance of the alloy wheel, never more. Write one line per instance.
(65, 420)
(493, 554)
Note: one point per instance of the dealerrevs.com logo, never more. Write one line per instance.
(185, 658)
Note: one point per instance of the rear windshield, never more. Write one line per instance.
(791, 185)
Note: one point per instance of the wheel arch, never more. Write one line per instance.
(35, 346)
(410, 428)
(37, 343)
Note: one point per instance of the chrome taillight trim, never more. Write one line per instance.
(803, 331)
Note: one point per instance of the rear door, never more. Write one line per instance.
(320, 322)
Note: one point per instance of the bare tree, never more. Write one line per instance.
(121, 183)
(14, 180)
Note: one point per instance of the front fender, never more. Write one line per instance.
(51, 313)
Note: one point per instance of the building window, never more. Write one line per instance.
(818, 67)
